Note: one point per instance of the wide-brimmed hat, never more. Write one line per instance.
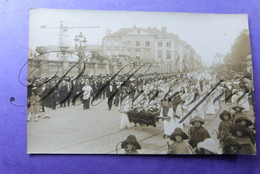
(240, 107)
(244, 117)
(239, 127)
(178, 131)
(210, 145)
(131, 139)
(230, 141)
(197, 118)
(221, 116)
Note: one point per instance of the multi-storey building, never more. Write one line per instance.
(150, 45)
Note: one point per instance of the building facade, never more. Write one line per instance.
(151, 45)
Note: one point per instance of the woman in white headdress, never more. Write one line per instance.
(123, 107)
(209, 106)
(166, 114)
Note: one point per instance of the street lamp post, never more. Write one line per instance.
(80, 43)
(80, 47)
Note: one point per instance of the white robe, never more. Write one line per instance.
(244, 101)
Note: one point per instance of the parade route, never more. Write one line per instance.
(74, 130)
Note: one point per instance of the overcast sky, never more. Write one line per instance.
(208, 34)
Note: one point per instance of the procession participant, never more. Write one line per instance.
(123, 107)
(195, 100)
(69, 92)
(166, 114)
(117, 95)
(138, 96)
(208, 147)
(94, 86)
(103, 94)
(87, 93)
(220, 93)
(224, 127)
(244, 121)
(39, 88)
(131, 90)
(131, 145)
(35, 105)
(209, 107)
(177, 103)
(81, 85)
(231, 147)
(197, 132)
(228, 92)
(244, 102)
(238, 113)
(236, 93)
(111, 88)
(249, 88)
(152, 97)
(47, 103)
(241, 135)
(76, 90)
(179, 146)
(29, 94)
(54, 95)
(63, 91)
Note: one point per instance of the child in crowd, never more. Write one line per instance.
(208, 147)
(244, 121)
(197, 132)
(131, 145)
(230, 146)
(238, 113)
(180, 146)
(241, 135)
(224, 127)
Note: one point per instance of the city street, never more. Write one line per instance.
(74, 130)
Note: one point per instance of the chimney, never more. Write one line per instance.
(164, 30)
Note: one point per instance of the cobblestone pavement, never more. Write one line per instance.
(78, 131)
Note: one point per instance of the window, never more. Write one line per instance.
(108, 52)
(159, 44)
(168, 44)
(160, 54)
(168, 54)
(116, 43)
(138, 54)
(137, 43)
(116, 52)
(108, 43)
(147, 44)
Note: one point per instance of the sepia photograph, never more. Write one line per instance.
(134, 83)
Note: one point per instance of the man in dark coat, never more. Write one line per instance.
(75, 91)
(110, 94)
(63, 91)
